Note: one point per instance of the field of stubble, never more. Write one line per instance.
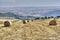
(36, 30)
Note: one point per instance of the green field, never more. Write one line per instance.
(36, 30)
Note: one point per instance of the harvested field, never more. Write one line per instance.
(36, 30)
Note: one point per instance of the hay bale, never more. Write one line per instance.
(52, 22)
(7, 23)
(24, 22)
(32, 20)
(27, 20)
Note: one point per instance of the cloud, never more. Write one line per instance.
(22, 14)
(10, 1)
(18, 3)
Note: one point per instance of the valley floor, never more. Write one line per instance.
(36, 30)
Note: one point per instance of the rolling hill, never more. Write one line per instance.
(52, 13)
(9, 14)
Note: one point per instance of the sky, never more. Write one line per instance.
(28, 3)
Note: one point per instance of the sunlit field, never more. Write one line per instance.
(36, 30)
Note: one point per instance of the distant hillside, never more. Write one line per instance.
(9, 14)
(52, 13)
(29, 12)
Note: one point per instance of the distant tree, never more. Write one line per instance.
(49, 17)
(42, 17)
(52, 17)
(57, 16)
(37, 18)
(45, 17)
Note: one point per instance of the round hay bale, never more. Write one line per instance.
(7, 23)
(24, 22)
(32, 20)
(52, 22)
(27, 20)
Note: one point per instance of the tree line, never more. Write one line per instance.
(47, 17)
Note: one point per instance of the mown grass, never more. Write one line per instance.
(1, 22)
(36, 30)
